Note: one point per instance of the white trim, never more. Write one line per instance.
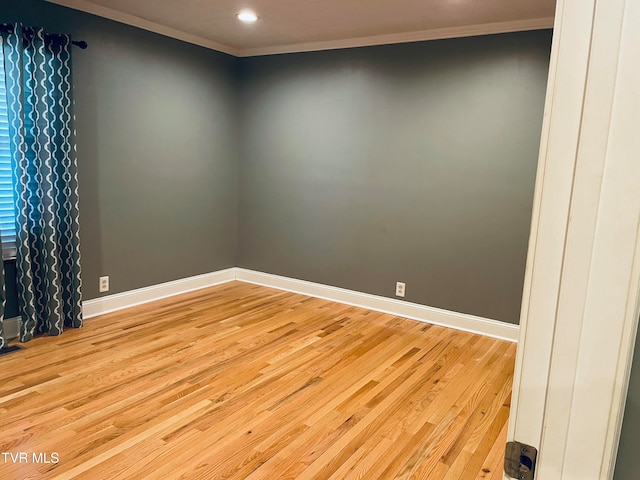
(392, 38)
(134, 21)
(11, 327)
(119, 301)
(414, 311)
(552, 200)
(613, 293)
(406, 37)
(582, 285)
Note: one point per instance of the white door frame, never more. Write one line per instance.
(581, 299)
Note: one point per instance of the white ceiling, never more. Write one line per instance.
(300, 25)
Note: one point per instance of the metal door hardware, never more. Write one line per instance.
(520, 461)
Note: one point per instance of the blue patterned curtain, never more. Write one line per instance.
(38, 77)
(3, 343)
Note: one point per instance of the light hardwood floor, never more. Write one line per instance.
(241, 381)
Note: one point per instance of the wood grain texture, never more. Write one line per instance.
(246, 382)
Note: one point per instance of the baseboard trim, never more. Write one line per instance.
(11, 328)
(414, 311)
(119, 301)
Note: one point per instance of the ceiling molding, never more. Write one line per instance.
(433, 34)
(144, 24)
(407, 37)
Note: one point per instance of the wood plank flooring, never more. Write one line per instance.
(245, 382)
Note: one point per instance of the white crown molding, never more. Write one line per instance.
(407, 37)
(144, 24)
(119, 301)
(414, 311)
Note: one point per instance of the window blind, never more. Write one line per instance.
(7, 203)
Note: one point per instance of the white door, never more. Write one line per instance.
(581, 298)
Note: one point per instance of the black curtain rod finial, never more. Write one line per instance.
(9, 28)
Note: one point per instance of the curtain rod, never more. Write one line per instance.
(78, 43)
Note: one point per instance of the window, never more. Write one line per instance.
(7, 203)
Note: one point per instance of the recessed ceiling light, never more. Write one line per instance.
(247, 16)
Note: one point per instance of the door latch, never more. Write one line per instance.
(520, 461)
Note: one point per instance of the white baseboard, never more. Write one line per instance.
(112, 303)
(11, 328)
(436, 316)
(422, 313)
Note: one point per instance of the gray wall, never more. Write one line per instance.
(411, 163)
(359, 167)
(157, 137)
(628, 462)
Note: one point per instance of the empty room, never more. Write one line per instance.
(319, 240)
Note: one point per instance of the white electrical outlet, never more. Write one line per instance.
(104, 284)
(400, 289)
